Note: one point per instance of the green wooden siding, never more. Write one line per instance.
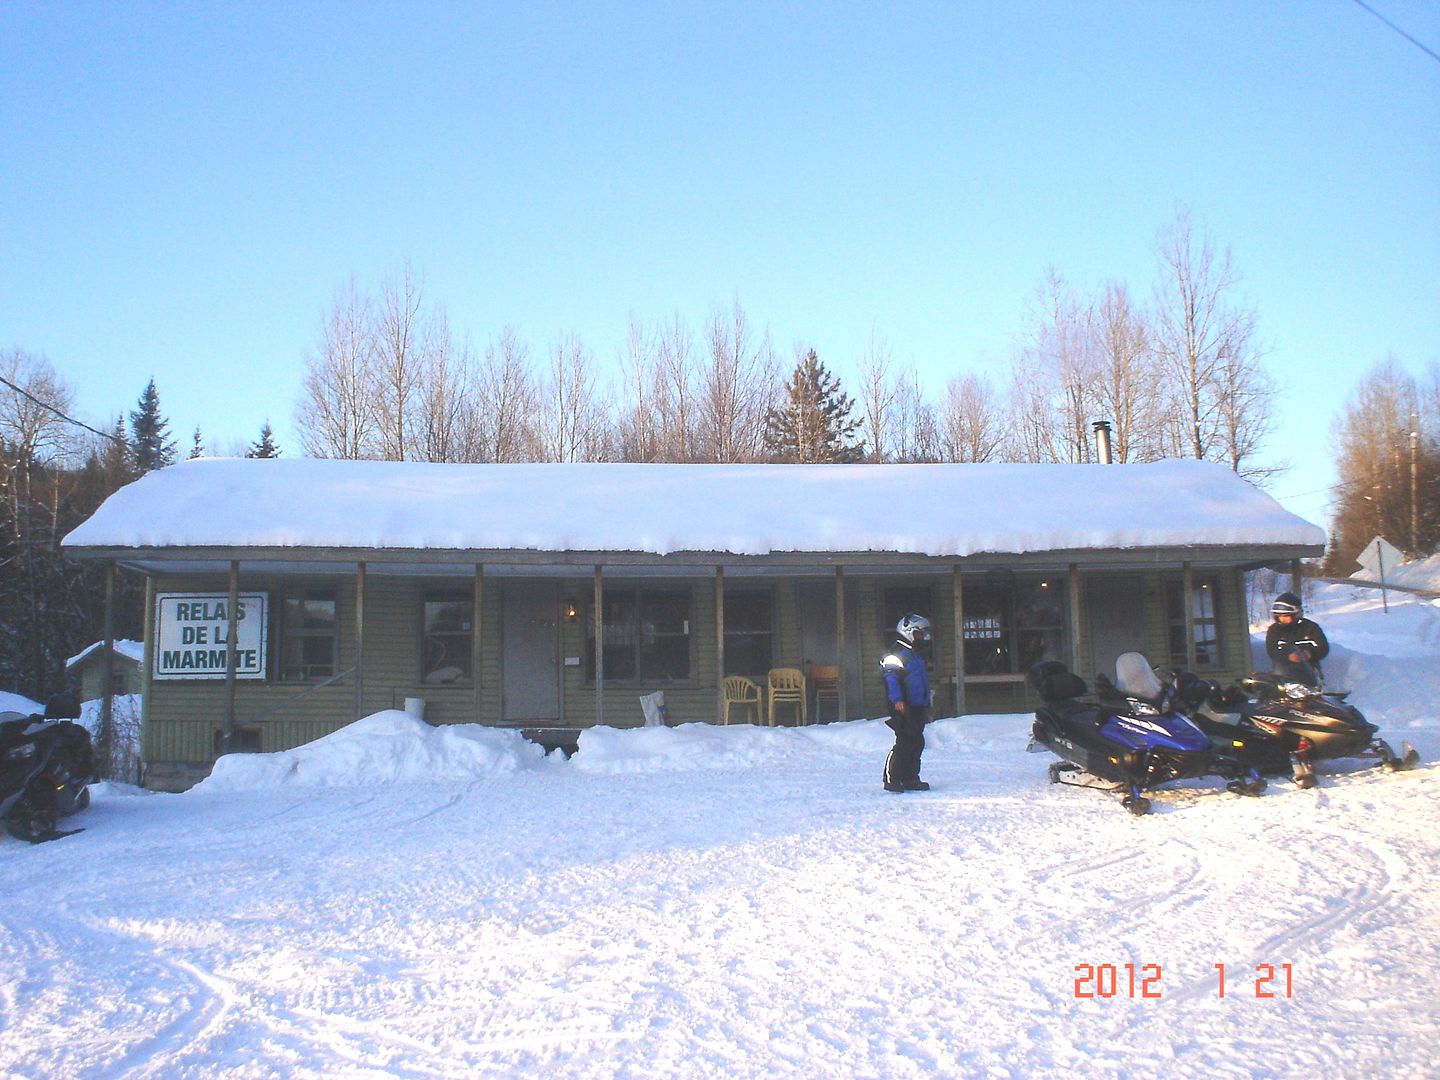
(182, 716)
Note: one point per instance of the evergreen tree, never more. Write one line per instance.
(813, 422)
(150, 440)
(265, 447)
(197, 446)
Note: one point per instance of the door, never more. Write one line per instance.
(818, 640)
(530, 653)
(1117, 618)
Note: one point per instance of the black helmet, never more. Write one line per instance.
(1286, 604)
(913, 629)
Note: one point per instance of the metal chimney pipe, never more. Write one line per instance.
(1102, 442)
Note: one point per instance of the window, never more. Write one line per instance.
(748, 634)
(447, 638)
(1202, 613)
(647, 635)
(1012, 623)
(309, 642)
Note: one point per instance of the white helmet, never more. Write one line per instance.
(913, 629)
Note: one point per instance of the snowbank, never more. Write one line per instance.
(389, 747)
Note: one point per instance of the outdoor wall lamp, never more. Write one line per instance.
(570, 609)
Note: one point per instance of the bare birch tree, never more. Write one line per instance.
(676, 393)
(738, 388)
(336, 417)
(878, 389)
(972, 420)
(1053, 398)
(573, 411)
(1128, 385)
(506, 402)
(1207, 344)
(399, 363)
(640, 423)
(445, 428)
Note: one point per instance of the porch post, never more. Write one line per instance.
(839, 644)
(719, 644)
(1189, 602)
(476, 650)
(359, 640)
(958, 630)
(147, 737)
(1075, 622)
(599, 650)
(107, 673)
(1297, 580)
(231, 656)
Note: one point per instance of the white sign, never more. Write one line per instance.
(191, 636)
(1379, 558)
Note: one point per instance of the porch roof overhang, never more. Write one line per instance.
(436, 563)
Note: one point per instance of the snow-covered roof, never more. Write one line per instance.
(938, 510)
(132, 650)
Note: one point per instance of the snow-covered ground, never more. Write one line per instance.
(403, 901)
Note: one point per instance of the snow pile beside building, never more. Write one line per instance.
(390, 747)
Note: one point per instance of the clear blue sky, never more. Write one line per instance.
(184, 187)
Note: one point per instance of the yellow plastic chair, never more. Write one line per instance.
(787, 687)
(739, 690)
(825, 678)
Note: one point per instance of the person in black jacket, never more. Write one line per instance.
(1295, 644)
(907, 689)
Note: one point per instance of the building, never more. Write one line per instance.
(127, 659)
(551, 597)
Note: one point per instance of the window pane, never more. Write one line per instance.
(1039, 603)
(447, 641)
(665, 613)
(747, 634)
(619, 662)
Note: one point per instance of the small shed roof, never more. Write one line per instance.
(124, 647)
(661, 510)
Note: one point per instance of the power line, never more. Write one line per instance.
(61, 415)
(1423, 48)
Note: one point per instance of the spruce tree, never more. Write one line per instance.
(149, 431)
(197, 445)
(265, 446)
(813, 423)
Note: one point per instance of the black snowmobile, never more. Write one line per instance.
(46, 763)
(1283, 723)
(1131, 741)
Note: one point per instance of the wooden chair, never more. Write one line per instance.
(787, 687)
(825, 678)
(738, 690)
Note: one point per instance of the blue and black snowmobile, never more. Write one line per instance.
(1132, 738)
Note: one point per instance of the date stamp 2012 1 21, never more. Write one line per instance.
(1146, 981)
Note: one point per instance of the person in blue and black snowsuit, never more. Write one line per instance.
(907, 688)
